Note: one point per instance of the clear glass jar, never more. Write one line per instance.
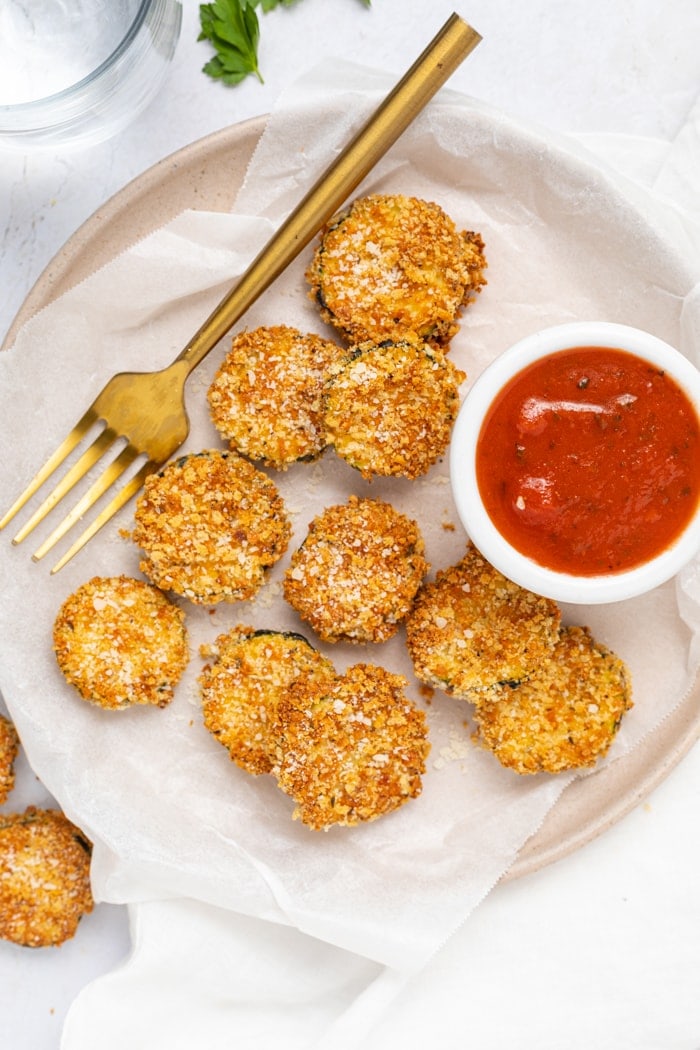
(77, 71)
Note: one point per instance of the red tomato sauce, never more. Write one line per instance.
(589, 461)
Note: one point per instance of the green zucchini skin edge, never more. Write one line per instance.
(292, 635)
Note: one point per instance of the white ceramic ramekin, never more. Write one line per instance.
(586, 590)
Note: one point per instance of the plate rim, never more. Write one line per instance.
(564, 830)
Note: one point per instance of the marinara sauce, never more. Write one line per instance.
(589, 461)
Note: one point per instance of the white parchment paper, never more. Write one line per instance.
(169, 814)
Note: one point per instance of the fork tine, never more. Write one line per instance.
(88, 459)
(112, 472)
(119, 500)
(53, 462)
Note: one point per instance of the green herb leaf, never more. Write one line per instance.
(231, 27)
(269, 5)
(233, 30)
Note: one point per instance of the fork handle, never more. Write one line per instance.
(428, 73)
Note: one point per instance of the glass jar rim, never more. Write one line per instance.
(36, 106)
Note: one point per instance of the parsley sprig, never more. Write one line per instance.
(233, 29)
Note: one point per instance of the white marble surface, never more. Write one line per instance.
(601, 949)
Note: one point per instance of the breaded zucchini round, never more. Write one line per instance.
(9, 746)
(356, 574)
(389, 407)
(565, 715)
(351, 750)
(210, 524)
(44, 878)
(265, 399)
(390, 265)
(472, 629)
(241, 689)
(120, 642)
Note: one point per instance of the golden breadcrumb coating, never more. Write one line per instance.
(351, 750)
(389, 266)
(356, 574)
(390, 407)
(241, 688)
(565, 715)
(44, 878)
(472, 629)
(120, 642)
(210, 524)
(9, 747)
(265, 399)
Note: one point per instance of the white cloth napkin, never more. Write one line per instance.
(240, 923)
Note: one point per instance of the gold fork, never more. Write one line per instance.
(145, 410)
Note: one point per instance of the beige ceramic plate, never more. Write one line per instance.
(206, 176)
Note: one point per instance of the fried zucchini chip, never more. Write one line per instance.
(44, 878)
(265, 399)
(242, 687)
(350, 750)
(389, 407)
(565, 715)
(390, 266)
(472, 629)
(209, 525)
(9, 747)
(356, 574)
(121, 642)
